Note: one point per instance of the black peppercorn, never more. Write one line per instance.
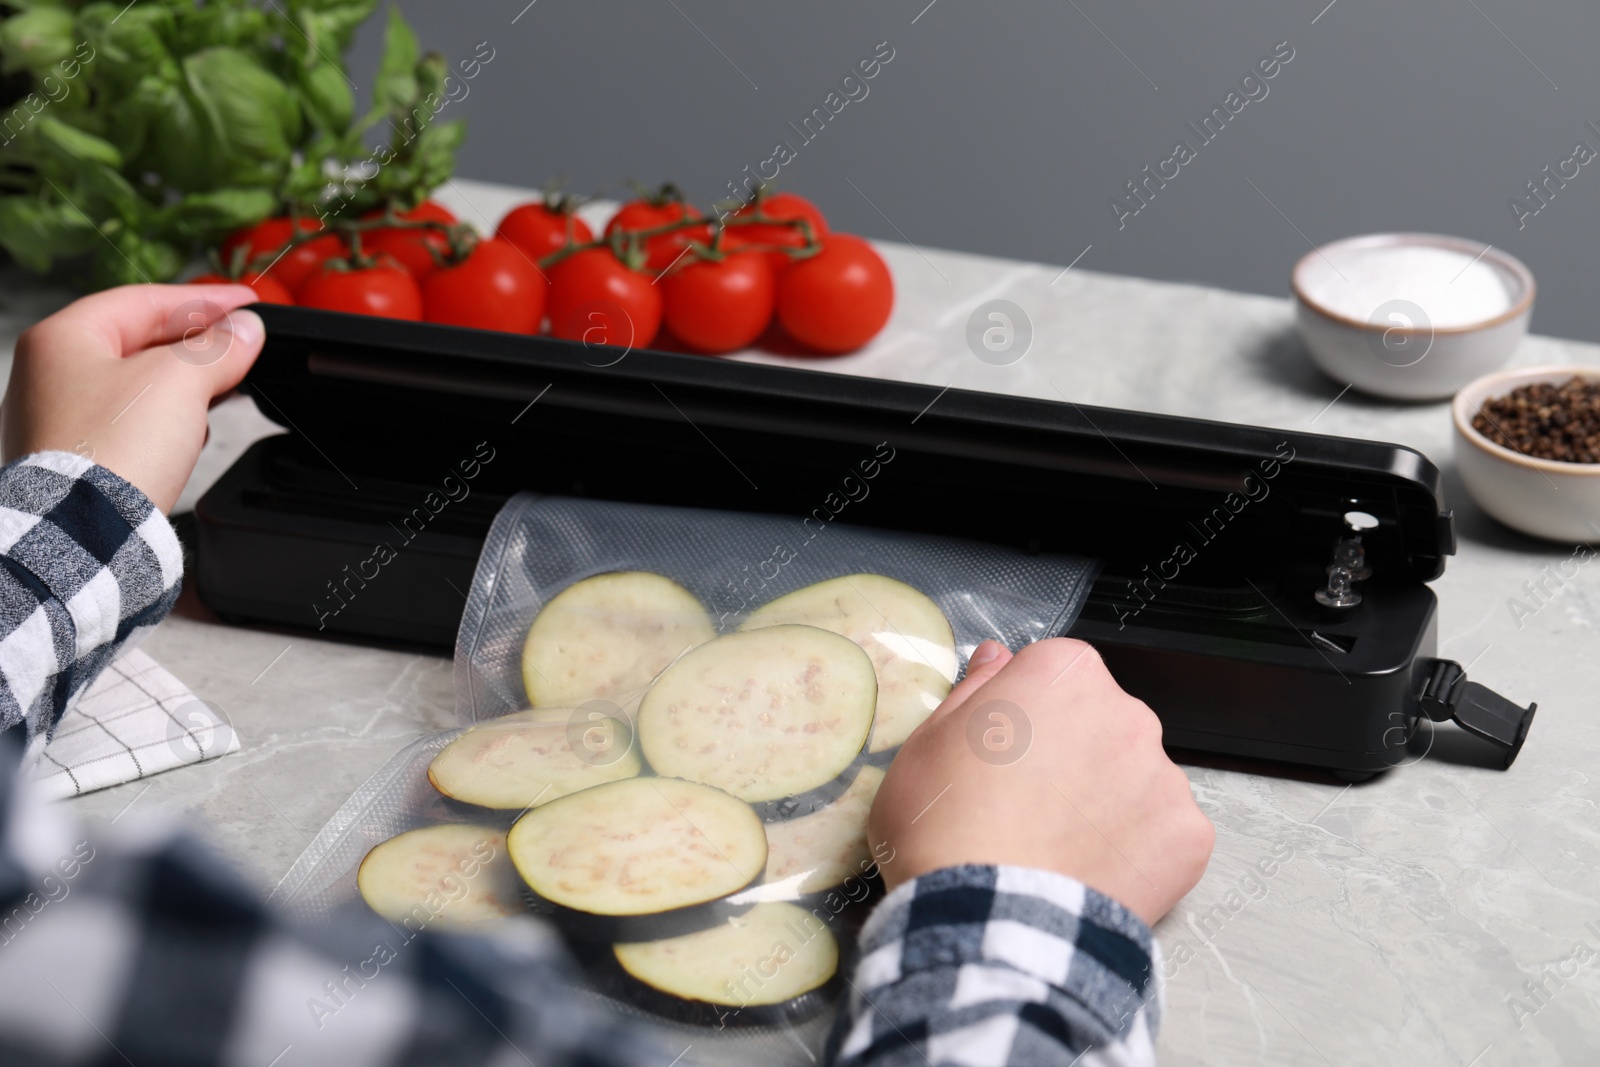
(1546, 421)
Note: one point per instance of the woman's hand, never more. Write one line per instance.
(1041, 760)
(125, 377)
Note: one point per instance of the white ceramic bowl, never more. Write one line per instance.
(1400, 356)
(1556, 501)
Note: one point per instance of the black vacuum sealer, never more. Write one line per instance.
(1218, 603)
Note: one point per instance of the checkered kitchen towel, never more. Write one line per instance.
(134, 721)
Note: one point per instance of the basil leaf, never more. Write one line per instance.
(395, 88)
(211, 215)
(139, 106)
(331, 24)
(326, 95)
(232, 24)
(106, 194)
(435, 156)
(253, 118)
(73, 146)
(178, 144)
(130, 44)
(125, 258)
(36, 40)
(432, 70)
(35, 232)
(305, 180)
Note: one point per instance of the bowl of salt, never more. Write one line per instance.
(1411, 316)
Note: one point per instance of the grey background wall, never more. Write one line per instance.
(1007, 127)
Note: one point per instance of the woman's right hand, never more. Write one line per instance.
(1042, 760)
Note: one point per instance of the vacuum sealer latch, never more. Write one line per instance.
(1446, 694)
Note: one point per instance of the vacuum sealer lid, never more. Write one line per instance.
(374, 394)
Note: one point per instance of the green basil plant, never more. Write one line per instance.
(133, 136)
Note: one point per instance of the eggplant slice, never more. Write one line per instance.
(912, 646)
(816, 852)
(523, 760)
(609, 635)
(765, 714)
(450, 875)
(639, 848)
(775, 963)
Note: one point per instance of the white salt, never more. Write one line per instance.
(1452, 288)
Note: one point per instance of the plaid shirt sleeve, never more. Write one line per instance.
(89, 565)
(141, 948)
(988, 966)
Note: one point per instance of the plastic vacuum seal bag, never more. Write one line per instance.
(675, 723)
(428, 863)
(745, 977)
(578, 599)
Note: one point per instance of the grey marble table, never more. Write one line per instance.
(1440, 914)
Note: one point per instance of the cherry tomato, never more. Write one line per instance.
(719, 306)
(385, 288)
(266, 239)
(779, 207)
(539, 229)
(495, 288)
(410, 247)
(269, 290)
(649, 213)
(596, 299)
(837, 300)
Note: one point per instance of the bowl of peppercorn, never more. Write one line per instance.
(1527, 445)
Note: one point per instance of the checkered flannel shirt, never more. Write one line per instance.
(977, 966)
(136, 946)
(90, 566)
